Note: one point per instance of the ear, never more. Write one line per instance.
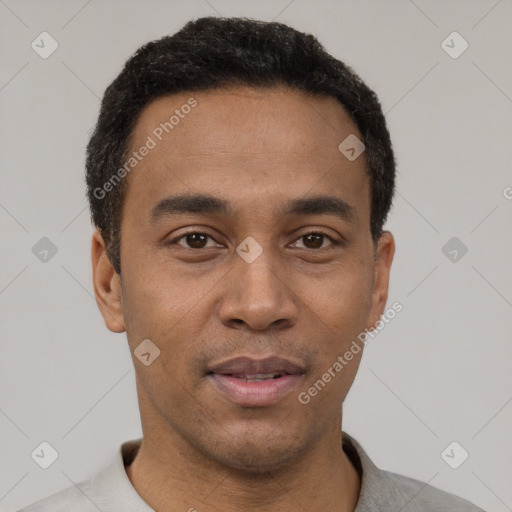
(384, 257)
(107, 285)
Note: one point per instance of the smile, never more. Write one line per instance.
(255, 383)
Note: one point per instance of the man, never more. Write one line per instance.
(239, 179)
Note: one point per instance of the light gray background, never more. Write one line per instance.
(439, 372)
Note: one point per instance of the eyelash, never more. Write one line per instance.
(315, 232)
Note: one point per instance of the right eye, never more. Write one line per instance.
(193, 240)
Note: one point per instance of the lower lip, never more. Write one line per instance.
(253, 394)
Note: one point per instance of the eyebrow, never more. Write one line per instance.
(207, 204)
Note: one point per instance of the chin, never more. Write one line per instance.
(257, 455)
(256, 462)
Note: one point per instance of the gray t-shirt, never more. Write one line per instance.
(110, 490)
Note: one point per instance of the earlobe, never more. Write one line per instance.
(107, 285)
(384, 258)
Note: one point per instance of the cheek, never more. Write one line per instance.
(167, 308)
(340, 310)
(152, 294)
(150, 308)
(342, 298)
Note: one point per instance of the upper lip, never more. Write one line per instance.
(250, 366)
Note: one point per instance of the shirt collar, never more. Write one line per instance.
(112, 490)
(377, 491)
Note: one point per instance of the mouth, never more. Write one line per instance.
(255, 383)
(258, 377)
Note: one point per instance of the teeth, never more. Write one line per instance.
(258, 377)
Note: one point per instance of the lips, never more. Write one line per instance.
(258, 377)
(252, 382)
(249, 366)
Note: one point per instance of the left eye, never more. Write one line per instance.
(315, 240)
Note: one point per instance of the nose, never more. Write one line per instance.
(258, 297)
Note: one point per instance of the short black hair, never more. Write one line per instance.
(210, 53)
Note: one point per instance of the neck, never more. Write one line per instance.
(170, 477)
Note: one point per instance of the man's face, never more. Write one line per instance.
(310, 292)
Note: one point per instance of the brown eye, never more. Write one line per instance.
(315, 240)
(193, 240)
(196, 240)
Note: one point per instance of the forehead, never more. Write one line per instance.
(229, 118)
(246, 142)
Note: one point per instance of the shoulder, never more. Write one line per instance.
(71, 499)
(384, 490)
(107, 489)
(416, 496)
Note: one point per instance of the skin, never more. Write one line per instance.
(303, 298)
